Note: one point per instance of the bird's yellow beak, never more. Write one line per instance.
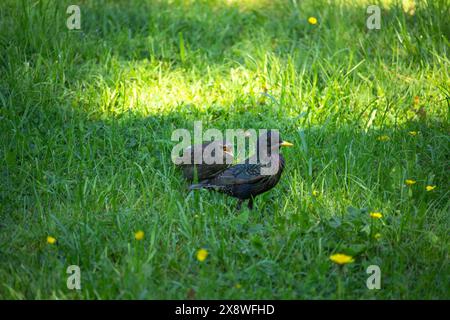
(286, 144)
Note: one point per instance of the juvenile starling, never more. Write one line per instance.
(247, 180)
(203, 170)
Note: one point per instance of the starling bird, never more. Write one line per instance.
(247, 180)
(203, 170)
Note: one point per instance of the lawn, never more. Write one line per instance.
(86, 118)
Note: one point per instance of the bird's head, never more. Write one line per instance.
(272, 141)
(224, 151)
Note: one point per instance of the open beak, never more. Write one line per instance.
(286, 144)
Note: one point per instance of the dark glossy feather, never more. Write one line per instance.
(247, 180)
(243, 181)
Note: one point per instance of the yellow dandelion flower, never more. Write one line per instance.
(377, 236)
(430, 188)
(416, 100)
(383, 138)
(341, 258)
(410, 182)
(202, 254)
(238, 286)
(312, 20)
(413, 133)
(51, 240)
(315, 193)
(376, 215)
(139, 235)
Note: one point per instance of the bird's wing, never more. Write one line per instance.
(239, 174)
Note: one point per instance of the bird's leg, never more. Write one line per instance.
(239, 204)
(250, 203)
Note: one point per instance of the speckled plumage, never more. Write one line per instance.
(244, 181)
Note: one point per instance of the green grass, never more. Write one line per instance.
(86, 119)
